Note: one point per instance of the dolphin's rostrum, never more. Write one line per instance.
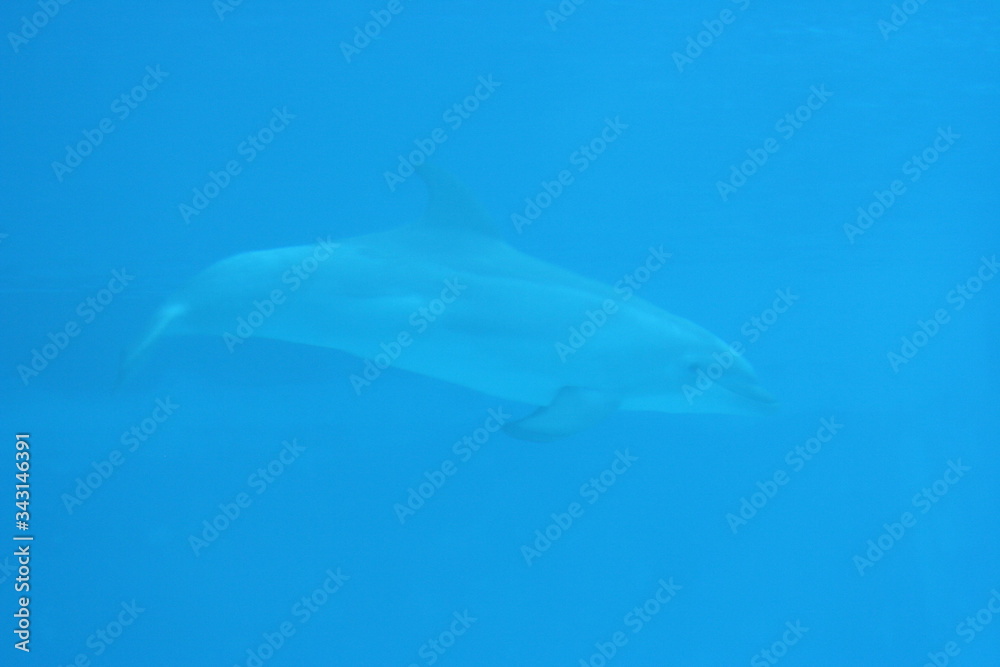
(494, 320)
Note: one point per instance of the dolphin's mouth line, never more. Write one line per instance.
(753, 393)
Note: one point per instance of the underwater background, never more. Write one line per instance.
(823, 177)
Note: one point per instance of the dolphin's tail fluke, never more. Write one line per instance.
(163, 322)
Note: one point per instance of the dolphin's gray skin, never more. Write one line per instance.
(453, 301)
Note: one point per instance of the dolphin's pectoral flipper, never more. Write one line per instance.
(573, 409)
(161, 323)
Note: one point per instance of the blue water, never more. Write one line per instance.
(857, 525)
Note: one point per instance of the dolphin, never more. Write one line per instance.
(446, 297)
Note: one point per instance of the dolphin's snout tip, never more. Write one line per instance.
(756, 397)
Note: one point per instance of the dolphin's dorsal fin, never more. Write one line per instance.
(452, 206)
